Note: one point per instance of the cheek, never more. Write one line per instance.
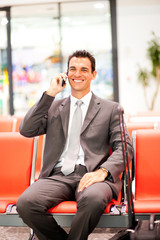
(69, 76)
(70, 82)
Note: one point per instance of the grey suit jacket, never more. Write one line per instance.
(100, 132)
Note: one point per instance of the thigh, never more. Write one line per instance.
(47, 193)
(100, 191)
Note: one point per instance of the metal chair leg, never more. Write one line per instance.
(31, 237)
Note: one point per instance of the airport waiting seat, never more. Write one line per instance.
(71, 207)
(146, 145)
(39, 162)
(16, 120)
(17, 167)
(41, 141)
(65, 211)
(6, 124)
(132, 126)
(112, 217)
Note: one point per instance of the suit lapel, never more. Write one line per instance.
(93, 109)
(64, 110)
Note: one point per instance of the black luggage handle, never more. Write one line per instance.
(131, 214)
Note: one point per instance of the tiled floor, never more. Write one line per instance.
(22, 233)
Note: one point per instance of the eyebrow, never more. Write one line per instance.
(72, 67)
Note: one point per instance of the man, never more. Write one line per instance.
(90, 175)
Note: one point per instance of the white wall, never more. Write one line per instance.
(135, 22)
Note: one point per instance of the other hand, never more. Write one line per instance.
(90, 178)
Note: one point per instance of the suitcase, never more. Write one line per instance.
(144, 230)
(137, 229)
(147, 230)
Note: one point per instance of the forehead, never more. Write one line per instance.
(80, 62)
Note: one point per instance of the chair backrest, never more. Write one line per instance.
(131, 126)
(147, 164)
(40, 150)
(16, 123)
(6, 124)
(17, 164)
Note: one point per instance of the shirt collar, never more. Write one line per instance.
(86, 99)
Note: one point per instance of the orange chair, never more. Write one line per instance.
(65, 211)
(17, 166)
(147, 171)
(69, 208)
(131, 126)
(6, 124)
(40, 150)
(16, 123)
(112, 217)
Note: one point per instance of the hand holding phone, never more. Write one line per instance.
(63, 82)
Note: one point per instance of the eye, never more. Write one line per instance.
(72, 69)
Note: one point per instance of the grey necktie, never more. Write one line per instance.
(74, 141)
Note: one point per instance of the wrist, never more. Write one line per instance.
(51, 93)
(105, 172)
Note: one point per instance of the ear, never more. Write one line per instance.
(94, 74)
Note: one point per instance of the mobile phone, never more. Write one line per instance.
(64, 81)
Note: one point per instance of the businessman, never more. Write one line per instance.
(80, 131)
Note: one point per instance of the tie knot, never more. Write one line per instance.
(79, 103)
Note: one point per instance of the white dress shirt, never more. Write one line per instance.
(84, 107)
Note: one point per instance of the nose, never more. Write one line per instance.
(77, 73)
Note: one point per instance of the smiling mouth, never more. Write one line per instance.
(78, 80)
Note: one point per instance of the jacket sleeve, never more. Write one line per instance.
(35, 121)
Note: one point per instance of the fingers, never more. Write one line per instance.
(85, 182)
(60, 78)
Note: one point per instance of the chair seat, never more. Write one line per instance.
(5, 203)
(63, 207)
(71, 207)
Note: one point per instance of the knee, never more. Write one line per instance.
(25, 205)
(21, 205)
(92, 202)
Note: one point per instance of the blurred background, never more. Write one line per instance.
(36, 38)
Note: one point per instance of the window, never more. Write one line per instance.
(43, 36)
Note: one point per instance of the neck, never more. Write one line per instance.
(79, 95)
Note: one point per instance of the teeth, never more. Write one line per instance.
(75, 80)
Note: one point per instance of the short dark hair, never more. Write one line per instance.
(83, 54)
